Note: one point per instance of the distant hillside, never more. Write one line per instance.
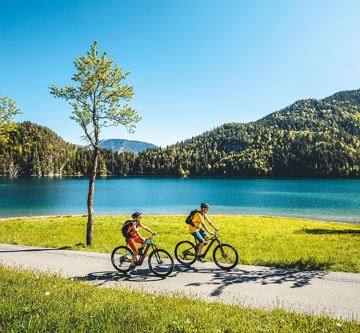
(310, 138)
(37, 150)
(120, 145)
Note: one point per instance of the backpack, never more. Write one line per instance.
(190, 217)
(125, 227)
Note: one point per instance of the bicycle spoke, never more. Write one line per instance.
(185, 253)
(120, 258)
(161, 262)
(225, 256)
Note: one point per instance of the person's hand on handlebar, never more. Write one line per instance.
(153, 233)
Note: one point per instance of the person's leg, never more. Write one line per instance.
(140, 241)
(201, 242)
(131, 242)
(205, 237)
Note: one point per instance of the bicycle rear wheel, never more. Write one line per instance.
(120, 258)
(225, 256)
(161, 262)
(185, 253)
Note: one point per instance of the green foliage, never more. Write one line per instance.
(97, 97)
(33, 302)
(267, 241)
(8, 110)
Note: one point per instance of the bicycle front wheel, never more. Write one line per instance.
(225, 256)
(121, 257)
(161, 262)
(185, 253)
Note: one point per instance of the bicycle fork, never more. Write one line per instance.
(157, 256)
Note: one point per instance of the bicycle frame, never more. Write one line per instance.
(149, 243)
(212, 240)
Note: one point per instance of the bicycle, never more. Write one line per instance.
(225, 256)
(160, 261)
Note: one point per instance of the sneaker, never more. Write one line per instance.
(201, 259)
(132, 270)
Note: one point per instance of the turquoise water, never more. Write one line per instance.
(323, 199)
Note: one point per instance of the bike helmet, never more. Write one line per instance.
(136, 214)
(204, 205)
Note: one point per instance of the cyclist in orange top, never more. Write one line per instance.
(197, 230)
(134, 237)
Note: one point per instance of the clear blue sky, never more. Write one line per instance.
(195, 64)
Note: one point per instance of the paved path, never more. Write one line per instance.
(317, 292)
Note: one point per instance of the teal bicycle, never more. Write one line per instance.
(160, 261)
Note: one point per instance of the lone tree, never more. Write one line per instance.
(98, 100)
(8, 110)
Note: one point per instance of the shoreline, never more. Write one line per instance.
(317, 177)
(33, 217)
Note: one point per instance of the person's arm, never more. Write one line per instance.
(146, 228)
(136, 231)
(212, 224)
(204, 225)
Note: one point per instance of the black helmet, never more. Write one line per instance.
(204, 205)
(136, 214)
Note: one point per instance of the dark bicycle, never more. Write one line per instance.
(160, 261)
(225, 256)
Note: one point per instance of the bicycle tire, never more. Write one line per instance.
(116, 262)
(166, 268)
(233, 261)
(181, 257)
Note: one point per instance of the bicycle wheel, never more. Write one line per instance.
(120, 258)
(225, 256)
(185, 253)
(161, 262)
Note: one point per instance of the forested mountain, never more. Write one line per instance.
(309, 138)
(36, 150)
(120, 145)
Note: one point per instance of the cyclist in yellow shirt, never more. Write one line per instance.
(197, 229)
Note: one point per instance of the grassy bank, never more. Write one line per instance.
(39, 303)
(269, 241)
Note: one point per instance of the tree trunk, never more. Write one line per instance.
(90, 200)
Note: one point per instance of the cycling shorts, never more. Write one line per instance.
(199, 235)
(132, 242)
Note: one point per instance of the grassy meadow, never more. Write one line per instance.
(33, 302)
(269, 241)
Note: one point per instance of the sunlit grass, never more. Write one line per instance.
(32, 302)
(269, 241)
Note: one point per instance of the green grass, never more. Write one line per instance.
(269, 241)
(32, 302)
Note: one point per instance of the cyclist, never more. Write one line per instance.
(197, 229)
(133, 236)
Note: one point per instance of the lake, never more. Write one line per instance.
(322, 199)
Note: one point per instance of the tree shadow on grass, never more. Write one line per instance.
(353, 232)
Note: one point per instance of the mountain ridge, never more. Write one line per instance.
(309, 138)
(121, 145)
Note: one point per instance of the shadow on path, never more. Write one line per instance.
(142, 275)
(36, 250)
(218, 278)
(221, 279)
